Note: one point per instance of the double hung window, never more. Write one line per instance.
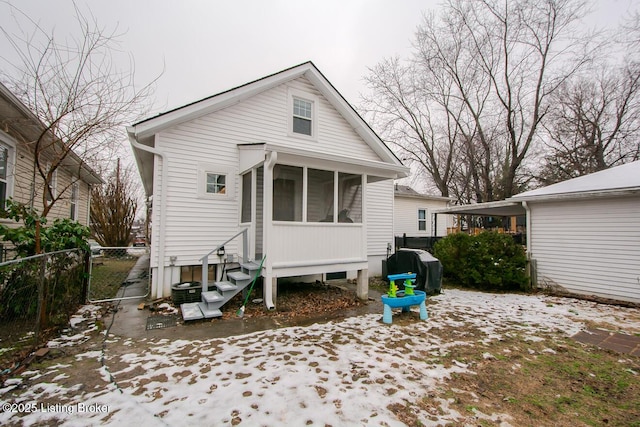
(422, 219)
(302, 116)
(75, 190)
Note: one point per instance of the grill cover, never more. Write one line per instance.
(428, 269)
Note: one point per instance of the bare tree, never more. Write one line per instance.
(497, 63)
(409, 117)
(596, 126)
(114, 207)
(79, 93)
(595, 123)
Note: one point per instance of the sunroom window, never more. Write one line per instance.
(320, 195)
(246, 198)
(349, 197)
(287, 193)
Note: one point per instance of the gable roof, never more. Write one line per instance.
(144, 130)
(621, 178)
(406, 191)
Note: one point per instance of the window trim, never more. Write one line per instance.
(293, 94)
(230, 178)
(74, 199)
(426, 213)
(8, 142)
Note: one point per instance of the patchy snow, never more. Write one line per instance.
(167, 308)
(339, 373)
(86, 312)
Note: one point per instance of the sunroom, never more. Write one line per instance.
(315, 220)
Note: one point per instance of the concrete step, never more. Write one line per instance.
(191, 311)
(208, 312)
(250, 266)
(239, 278)
(211, 297)
(225, 286)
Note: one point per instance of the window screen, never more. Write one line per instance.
(320, 195)
(287, 193)
(349, 197)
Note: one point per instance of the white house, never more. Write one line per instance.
(413, 213)
(583, 234)
(284, 157)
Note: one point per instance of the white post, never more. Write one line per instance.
(362, 288)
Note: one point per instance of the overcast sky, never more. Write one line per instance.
(206, 47)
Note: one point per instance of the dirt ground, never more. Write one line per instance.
(565, 384)
(300, 301)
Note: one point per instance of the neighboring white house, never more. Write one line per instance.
(583, 234)
(285, 157)
(413, 213)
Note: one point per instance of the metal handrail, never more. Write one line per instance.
(205, 259)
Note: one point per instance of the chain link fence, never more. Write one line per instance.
(117, 273)
(38, 294)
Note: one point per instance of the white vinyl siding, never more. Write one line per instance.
(196, 225)
(407, 217)
(589, 247)
(379, 201)
(196, 221)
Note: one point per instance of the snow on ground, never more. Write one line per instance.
(339, 373)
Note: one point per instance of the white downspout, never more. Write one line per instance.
(528, 225)
(532, 272)
(267, 218)
(162, 207)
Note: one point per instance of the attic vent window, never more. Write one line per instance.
(302, 114)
